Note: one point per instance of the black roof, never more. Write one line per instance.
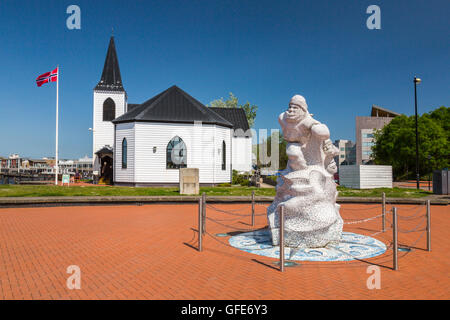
(131, 106)
(111, 79)
(105, 150)
(173, 105)
(236, 116)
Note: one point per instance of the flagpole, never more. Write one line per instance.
(57, 115)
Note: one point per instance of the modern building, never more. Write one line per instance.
(82, 166)
(37, 166)
(146, 144)
(365, 129)
(347, 152)
(12, 163)
(17, 164)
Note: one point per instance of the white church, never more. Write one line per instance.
(146, 144)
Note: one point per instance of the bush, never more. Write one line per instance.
(245, 183)
(237, 178)
(224, 185)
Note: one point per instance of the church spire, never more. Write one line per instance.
(111, 79)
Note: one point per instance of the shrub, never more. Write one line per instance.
(237, 178)
(224, 185)
(245, 183)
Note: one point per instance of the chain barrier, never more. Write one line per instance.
(415, 229)
(413, 216)
(365, 209)
(412, 246)
(417, 214)
(233, 213)
(355, 263)
(226, 212)
(229, 211)
(233, 219)
(263, 214)
(363, 220)
(375, 233)
(228, 226)
(416, 207)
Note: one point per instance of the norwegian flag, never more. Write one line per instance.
(47, 77)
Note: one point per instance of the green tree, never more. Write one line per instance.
(233, 102)
(442, 115)
(395, 144)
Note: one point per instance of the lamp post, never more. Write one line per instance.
(416, 81)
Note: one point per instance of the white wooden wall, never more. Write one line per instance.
(365, 176)
(124, 130)
(203, 143)
(104, 130)
(242, 154)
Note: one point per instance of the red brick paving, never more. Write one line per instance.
(144, 252)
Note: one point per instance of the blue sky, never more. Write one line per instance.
(262, 51)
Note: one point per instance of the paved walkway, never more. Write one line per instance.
(148, 252)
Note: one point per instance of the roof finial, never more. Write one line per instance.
(112, 32)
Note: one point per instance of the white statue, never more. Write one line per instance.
(306, 187)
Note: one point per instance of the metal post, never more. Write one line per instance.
(416, 80)
(253, 208)
(57, 127)
(281, 239)
(395, 237)
(384, 213)
(428, 225)
(204, 213)
(200, 224)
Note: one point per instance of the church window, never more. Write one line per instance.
(109, 110)
(224, 155)
(176, 154)
(124, 153)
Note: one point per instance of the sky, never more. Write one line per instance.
(263, 51)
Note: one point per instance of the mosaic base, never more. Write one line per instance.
(352, 246)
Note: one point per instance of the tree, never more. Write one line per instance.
(233, 102)
(395, 143)
(442, 115)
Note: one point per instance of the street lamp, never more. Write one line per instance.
(416, 81)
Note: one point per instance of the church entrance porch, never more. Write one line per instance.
(105, 164)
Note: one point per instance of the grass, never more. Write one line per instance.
(75, 191)
(390, 193)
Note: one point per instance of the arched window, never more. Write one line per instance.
(124, 153)
(224, 155)
(109, 110)
(176, 154)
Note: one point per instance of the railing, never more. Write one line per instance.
(423, 225)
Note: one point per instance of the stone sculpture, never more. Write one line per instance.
(306, 187)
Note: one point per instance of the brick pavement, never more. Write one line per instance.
(146, 252)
